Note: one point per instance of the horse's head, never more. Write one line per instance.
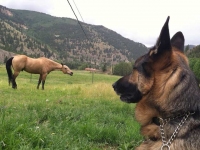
(66, 70)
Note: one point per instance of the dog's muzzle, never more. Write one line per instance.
(128, 92)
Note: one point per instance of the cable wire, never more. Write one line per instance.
(77, 19)
(78, 11)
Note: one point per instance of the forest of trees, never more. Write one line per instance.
(124, 68)
(195, 66)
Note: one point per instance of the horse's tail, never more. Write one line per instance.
(9, 70)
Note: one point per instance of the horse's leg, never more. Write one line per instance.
(43, 80)
(39, 81)
(14, 84)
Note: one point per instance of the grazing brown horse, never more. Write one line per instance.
(42, 66)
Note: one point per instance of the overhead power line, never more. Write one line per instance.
(77, 19)
(78, 11)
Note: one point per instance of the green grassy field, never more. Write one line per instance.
(71, 113)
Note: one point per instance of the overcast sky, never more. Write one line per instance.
(138, 20)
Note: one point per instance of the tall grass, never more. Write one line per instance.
(71, 113)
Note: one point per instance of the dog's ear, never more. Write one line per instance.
(178, 41)
(160, 54)
(163, 43)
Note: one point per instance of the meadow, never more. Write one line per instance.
(71, 113)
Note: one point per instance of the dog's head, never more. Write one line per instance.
(152, 71)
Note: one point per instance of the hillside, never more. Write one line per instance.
(194, 52)
(37, 34)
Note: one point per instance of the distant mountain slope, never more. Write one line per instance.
(194, 52)
(38, 34)
(188, 47)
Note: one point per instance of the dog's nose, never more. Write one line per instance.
(114, 85)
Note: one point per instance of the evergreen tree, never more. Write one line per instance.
(104, 67)
(187, 48)
(196, 69)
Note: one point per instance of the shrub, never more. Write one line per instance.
(122, 69)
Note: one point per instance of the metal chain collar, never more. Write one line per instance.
(166, 144)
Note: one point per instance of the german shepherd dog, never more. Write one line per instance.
(167, 95)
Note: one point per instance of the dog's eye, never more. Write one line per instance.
(146, 69)
(134, 68)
